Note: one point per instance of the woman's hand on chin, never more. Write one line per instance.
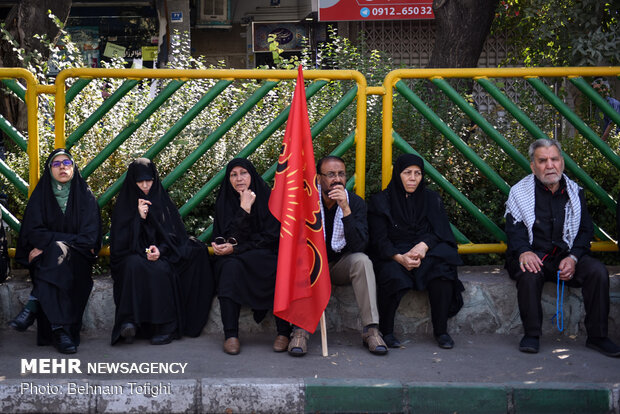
(247, 198)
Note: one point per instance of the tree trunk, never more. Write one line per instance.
(24, 20)
(462, 27)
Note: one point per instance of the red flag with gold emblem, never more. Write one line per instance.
(303, 286)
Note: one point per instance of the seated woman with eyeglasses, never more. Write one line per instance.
(59, 240)
(412, 247)
(246, 243)
(163, 283)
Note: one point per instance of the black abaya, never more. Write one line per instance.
(398, 221)
(248, 275)
(61, 275)
(173, 294)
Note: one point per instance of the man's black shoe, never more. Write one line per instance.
(604, 345)
(128, 332)
(391, 341)
(529, 344)
(63, 342)
(23, 320)
(161, 339)
(444, 341)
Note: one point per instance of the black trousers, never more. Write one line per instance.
(230, 319)
(440, 292)
(590, 275)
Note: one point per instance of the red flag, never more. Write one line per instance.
(303, 286)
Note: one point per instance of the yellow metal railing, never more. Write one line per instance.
(392, 84)
(184, 74)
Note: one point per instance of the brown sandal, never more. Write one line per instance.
(299, 343)
(373, 341)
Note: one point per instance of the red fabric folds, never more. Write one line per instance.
(303, 285)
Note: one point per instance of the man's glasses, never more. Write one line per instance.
(67, 163)
(331, 174)
(222, 240)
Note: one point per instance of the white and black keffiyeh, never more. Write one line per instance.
(338, 240)
(521, 206)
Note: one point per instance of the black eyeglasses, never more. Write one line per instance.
(331, 174)
(67, 163)
(222, 240)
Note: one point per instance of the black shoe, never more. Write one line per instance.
(23, 320)
(391, 341)
(444, 341)
(63, 342)
(529, 344)
(161, 339)
(128, 332)
(604, 345)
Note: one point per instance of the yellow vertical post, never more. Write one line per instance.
(59, 113)
(386, 146)
(32, 105)
(360, 136)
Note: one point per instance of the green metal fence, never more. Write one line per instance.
(535, 77)
(72, 84)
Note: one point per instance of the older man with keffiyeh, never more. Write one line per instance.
(346, 237)
(549, 231)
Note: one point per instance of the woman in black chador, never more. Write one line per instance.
(413, 248)
(245, 241)
(59, 240)
(163, 284)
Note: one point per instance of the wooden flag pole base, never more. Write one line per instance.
(323, 335)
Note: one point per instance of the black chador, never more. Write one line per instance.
(163, 284)
(62, 220)
(398, 221)
(247, 276)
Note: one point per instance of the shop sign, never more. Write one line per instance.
(343, 10)
(289, 35)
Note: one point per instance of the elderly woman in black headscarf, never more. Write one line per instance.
(245, 241)
(59, 240)
(413, 248)
(163, 284)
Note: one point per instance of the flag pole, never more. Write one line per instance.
(323, 335)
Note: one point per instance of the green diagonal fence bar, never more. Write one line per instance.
(334, 112)
(475, 116)
(100, 112)
(15, 179)
(218, 133)
(159, 100)
(319, 126)
(449, 188)
(598, 100)
(245, 152)
(75, 89)
(581, 126)
(170, 134)
(14, 134)
(452, 137)
(16, 87)
(10, 219)
(274, 125)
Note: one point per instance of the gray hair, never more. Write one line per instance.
(543, 142)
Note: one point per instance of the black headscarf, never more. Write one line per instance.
(163, 216)
(44, 221)
(409, 210)
(227, 208)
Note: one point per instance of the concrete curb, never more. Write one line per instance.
(290, 395)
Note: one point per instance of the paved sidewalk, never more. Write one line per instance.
(483, 373)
